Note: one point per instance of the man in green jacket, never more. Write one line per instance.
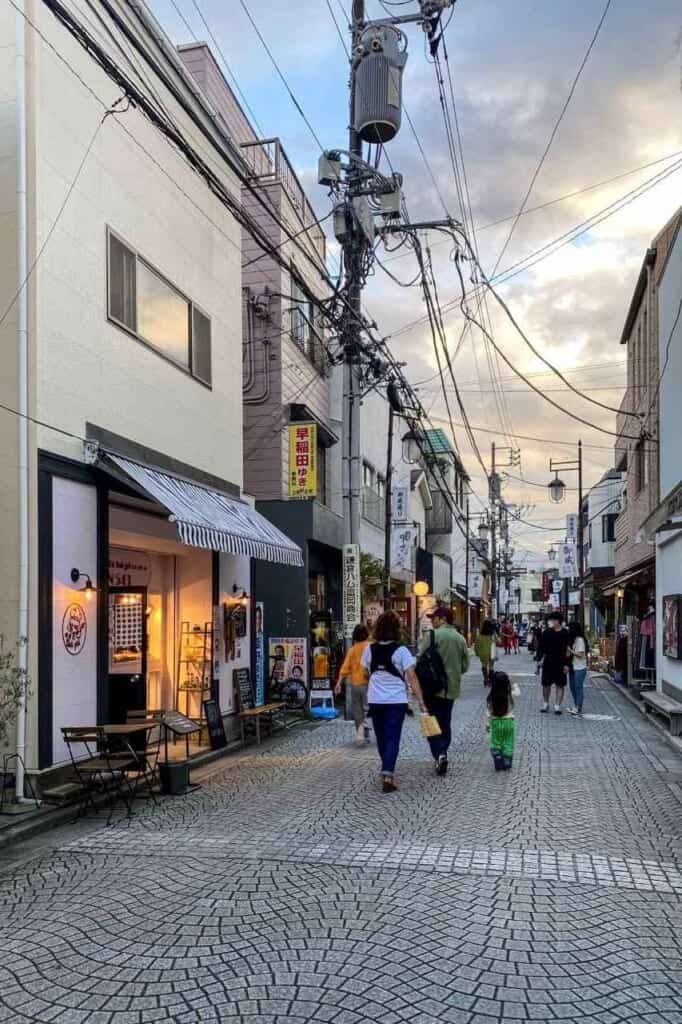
(454, 653)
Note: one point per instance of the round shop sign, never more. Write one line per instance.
(74, 629)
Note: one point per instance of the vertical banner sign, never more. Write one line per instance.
(351, 588)
(302, 460)
(568, 563)
(260, 656)
(400, 504)
(555, 600)
(546, 585)
(402, 546)
(572, 526)
(476, 586)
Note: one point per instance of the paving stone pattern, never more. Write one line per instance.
(288, 888)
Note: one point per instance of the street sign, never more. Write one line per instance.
(572, 526)
(557, 586)
(400, 501)
(568, 561)
(352, 610)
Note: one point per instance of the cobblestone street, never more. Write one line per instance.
(288, 888)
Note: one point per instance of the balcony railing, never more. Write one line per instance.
(270, 165)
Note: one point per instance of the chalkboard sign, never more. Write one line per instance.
(179, 724)
(216, 726)
(241, 682)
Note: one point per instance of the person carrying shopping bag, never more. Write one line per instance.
(452, 662)
(352, 668)
(389, 666)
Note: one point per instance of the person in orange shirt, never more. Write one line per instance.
(352, 667)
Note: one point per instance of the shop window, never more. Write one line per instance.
(536, 595)
(608, 527)
(149, 306)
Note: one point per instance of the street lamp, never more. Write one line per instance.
(551, 553)
(483, 528)
(411, 447)
(557, 489)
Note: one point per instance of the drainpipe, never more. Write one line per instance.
(22, 350)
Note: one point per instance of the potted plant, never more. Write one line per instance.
(14, 688)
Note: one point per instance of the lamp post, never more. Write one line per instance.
(557, 493)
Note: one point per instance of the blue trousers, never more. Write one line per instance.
(576, 680)
(387, 720)
(441, 709)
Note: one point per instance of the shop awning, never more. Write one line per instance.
(642, 572)
(210, 519)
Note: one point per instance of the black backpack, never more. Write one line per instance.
(430, 670)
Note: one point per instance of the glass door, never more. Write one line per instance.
(127, 651)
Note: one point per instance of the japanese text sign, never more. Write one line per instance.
(302, 460)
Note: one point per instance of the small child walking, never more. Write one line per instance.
(500, 713)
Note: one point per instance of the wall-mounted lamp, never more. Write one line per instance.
(420, 588)
(620, 594)
(243, 598)
(87, 587)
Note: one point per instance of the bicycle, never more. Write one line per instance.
(292, 691)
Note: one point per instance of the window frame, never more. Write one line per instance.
(322, 493)
(608, 526)
(188, 370)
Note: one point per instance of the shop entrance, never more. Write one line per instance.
(127, 651)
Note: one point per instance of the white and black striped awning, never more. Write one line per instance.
(210, 519)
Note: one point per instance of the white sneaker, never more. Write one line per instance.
(544, 707)
(558, 709)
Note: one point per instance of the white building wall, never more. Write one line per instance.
(670, 350)
(603, 499)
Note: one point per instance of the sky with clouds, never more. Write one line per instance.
(512, 65)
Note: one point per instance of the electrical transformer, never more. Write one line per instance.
(381, 58)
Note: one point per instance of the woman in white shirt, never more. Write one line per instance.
(578, 670)
(390, 669)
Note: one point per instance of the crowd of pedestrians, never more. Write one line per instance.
(383, 674)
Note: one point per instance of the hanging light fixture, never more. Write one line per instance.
(483, 528)
(551, 553)
(411, 448)
(557, 489)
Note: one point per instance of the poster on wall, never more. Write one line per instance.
(371, 612)
(288, 658)
(260, 655)
(126, 633)
(671, 626)
(302, 460)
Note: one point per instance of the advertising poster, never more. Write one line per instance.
(288, 658)
(671, 626)
(302, 460)
(260, 656)
(321, 644)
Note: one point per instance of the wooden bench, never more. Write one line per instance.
(256, 715)
(666, 706)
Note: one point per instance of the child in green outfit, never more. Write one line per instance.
(501, 721)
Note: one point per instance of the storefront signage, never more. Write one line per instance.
(241, 685)
(476, 586)
(568, 564)
(574, 598)
(215, 725)
(554, 600)
(400, 504)
(260, 655)
(128, 568)
(74, 629)
(352, 610)
(557, 586)
(402, 547)
(572, 526)
(302, 460)
(178, 724)
(288, 658)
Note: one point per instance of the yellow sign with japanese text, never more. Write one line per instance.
(302, 460)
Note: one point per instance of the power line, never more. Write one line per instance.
(553, 133)
(279, 71)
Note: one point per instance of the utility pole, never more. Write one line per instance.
(467, 610)
(493, 538)
(394, 406)
(580, 538)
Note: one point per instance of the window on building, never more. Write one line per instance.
(381, 487)
(536, 595)
(367, 475)
(322, 494)
(590, 536)
(301, 316)
(151, 308)
(608, 527)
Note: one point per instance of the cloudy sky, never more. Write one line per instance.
(512, 66)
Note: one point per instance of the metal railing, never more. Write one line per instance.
(270, 165)
(373, 507)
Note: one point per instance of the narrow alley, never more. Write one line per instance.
(289, 888)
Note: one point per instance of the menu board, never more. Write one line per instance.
(215, 724)
(241, 684)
